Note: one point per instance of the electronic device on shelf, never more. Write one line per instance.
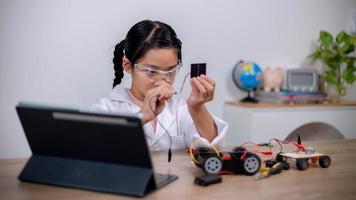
(302, 80)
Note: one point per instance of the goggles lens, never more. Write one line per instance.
(155, 74)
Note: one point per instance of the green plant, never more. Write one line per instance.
(336, 54)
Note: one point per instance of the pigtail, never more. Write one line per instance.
(117, 60)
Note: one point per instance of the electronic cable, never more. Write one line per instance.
(155, 112)
(181, 87)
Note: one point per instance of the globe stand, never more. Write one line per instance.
(249, 98)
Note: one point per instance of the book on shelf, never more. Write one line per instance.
(285, 96)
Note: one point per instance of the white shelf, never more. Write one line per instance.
(262, 121)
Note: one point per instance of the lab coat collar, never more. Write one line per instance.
(119, 93)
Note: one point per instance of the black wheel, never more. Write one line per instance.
(285, 165)
(202, 150)
(302, 163)
(324, 161)
(196, 158)
(250, 164)
(212, 165)
(201, 154)
(239, 149)
(270, 163)
(279, 158)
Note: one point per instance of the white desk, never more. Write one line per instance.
(262, 121)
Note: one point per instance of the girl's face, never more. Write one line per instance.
(156, 65)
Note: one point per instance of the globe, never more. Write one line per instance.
(247, 76)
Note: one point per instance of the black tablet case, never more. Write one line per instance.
(87, 150)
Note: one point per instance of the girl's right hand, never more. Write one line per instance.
(154, 101)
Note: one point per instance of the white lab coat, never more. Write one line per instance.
(175, 118)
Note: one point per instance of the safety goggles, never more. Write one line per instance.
(156, 74)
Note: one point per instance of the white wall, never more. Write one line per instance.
(60, 51)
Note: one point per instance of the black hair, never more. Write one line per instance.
(143, 36)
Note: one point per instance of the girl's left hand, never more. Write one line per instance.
(203, 89)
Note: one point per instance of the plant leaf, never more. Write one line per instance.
(352, 39)
(340, 88)
(342, 37)
(326, 55)
(330, 77)
(325, 39)
(347, 48)
(315, 55)
(340, 67)
(350, 61)
(348, 75)
(333, 64)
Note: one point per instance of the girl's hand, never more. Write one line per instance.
(154, 101)
(203, 89)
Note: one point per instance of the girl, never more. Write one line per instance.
(151, 54)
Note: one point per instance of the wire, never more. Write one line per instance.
(279, 143)
(181, 87)
(156, 116)
(216, 150)
(155, 112)
(192, 156)
(258, 151)
(258, 147)
(196, 161)
(170, 140)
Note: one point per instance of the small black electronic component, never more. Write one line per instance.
(197, 69)
(266, 144)
(207, 179)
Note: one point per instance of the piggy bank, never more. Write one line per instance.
(272, 79)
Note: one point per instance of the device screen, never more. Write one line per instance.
(302, 79)
(197, 69)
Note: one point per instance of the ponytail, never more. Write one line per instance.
(117, 60)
